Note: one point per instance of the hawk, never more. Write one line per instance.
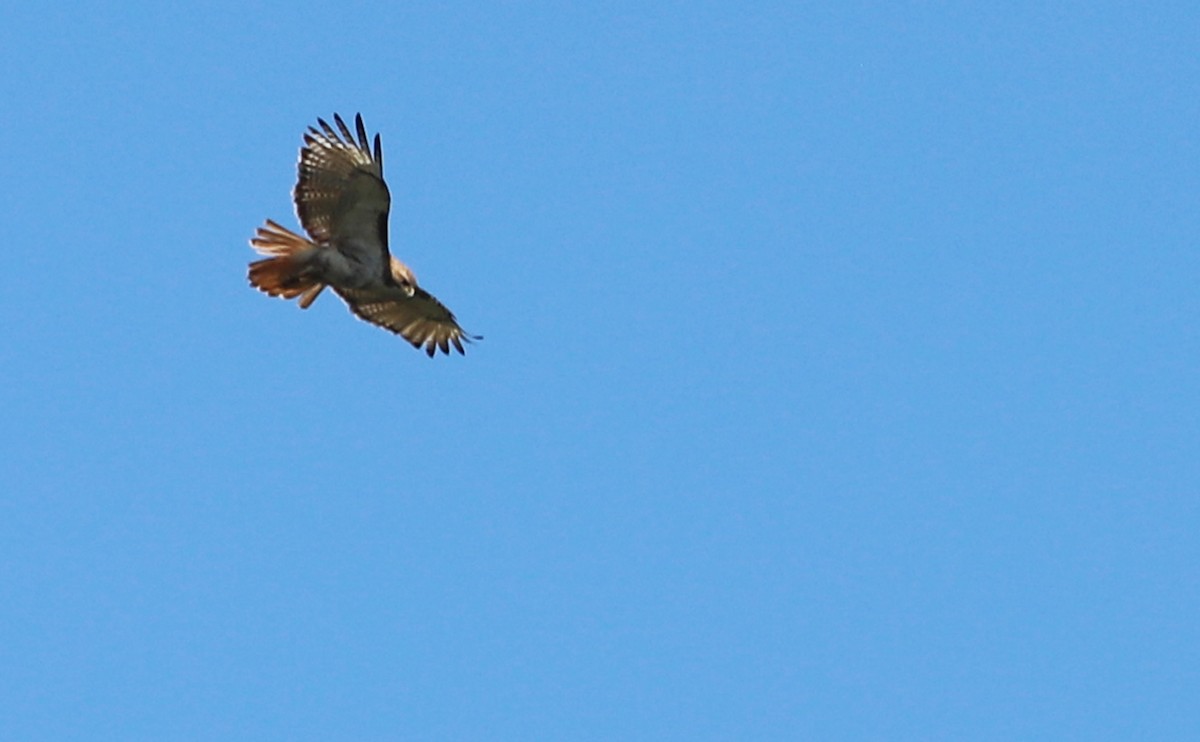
(342, 202)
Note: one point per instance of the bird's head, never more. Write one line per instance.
(404, 276)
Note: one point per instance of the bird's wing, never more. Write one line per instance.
(340, 195)
(420, 319)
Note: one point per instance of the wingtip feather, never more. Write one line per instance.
(343, 128)
(363, 141)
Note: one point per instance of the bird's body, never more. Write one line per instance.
(342, 202)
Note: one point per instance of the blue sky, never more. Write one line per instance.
(839, 382)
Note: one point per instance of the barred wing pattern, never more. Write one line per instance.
(420, 319)
(340, 189)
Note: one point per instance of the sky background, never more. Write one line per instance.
(839, 382)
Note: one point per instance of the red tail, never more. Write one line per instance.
(283, 273)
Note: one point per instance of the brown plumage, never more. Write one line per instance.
(342, 202)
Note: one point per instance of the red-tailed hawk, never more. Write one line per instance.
(342, 202)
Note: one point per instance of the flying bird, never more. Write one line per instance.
(342, 202)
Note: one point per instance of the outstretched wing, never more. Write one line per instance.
(420, 319)
(340, 191)
(340, 195)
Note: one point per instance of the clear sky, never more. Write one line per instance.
(840, 377)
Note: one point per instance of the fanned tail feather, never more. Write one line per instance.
(282, 274)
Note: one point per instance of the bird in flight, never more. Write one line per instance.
(342, 202)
